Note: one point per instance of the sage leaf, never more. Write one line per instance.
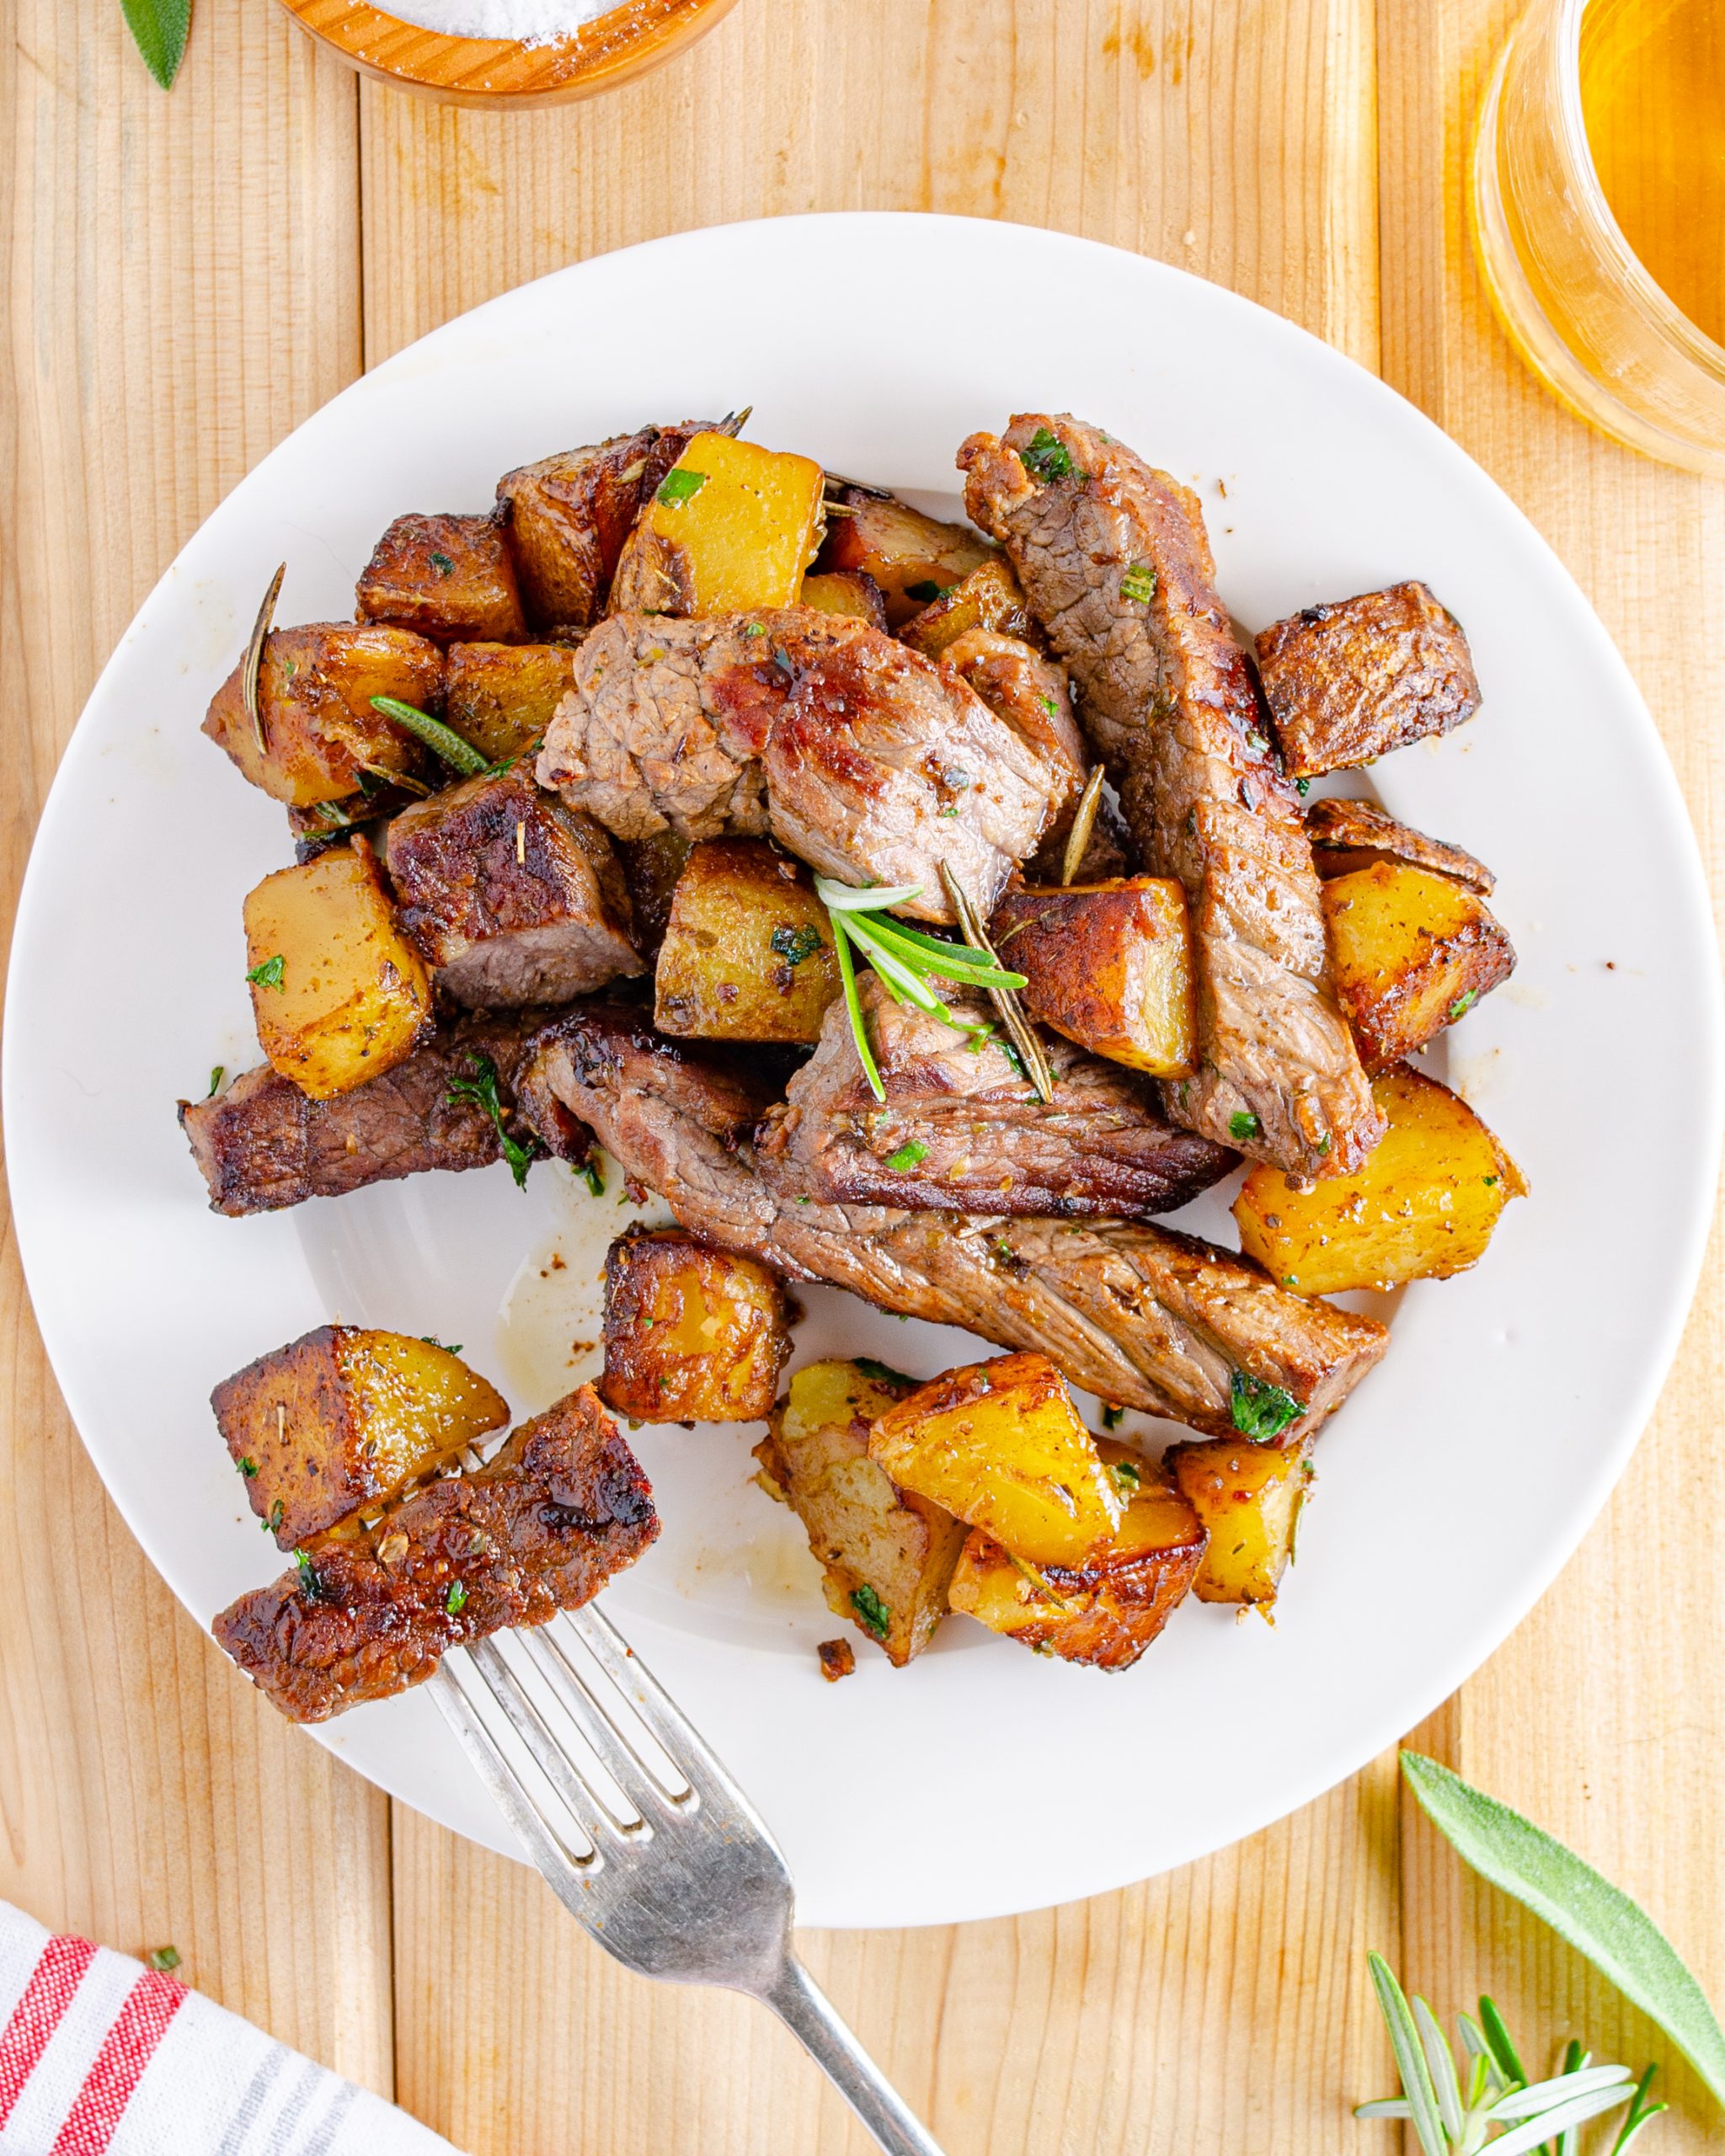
(160, 27)
(1596, 1917)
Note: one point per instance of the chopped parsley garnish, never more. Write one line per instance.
(794, 945)
(1138, 582)
(480, 1091)
(756, 629)
(268, 973)
(1464, 1003)
(1243, 1123)
(1490, 1182)
(883, 1373)
(590, 1173)
(431, 1340)
(443, 565)
(1048, 704)
(1302, 787)
(875, 1615)
(215, 1078)
(308, 1577)
(456, 1600)
(678, 486)
(1112, 1417)
(1129, 1475)
(1048, 457)
(908, 1155)
(1261, 1410)
(928, 591)
(272, 1518)
(248, 1466)
(164, 1959)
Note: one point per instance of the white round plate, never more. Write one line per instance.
(982, 1779)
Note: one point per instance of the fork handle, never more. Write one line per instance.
(812, 2018)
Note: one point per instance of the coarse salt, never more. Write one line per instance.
(531, 22)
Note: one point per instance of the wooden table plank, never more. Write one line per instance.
(181, 278)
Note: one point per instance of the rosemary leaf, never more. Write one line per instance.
(1540, 2095)
(859, 1030)
(442, 740)
(1573, 2112)
(254, 658)
(161, 28)
(1441, 2060)
(1083, 824)
(1410, 2059)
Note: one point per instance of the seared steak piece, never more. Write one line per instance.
(540, 1527)
(1115, 561)
(867, 759)
(1349, 834)
(511, 896)
(1350, 680)
(963, 1130)
(1140, 1315)
(263, 1144)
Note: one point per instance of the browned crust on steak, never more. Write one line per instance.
(562, 1509)
(1349, 834)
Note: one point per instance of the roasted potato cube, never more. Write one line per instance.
(1349, 834)
(838, 1659)
(1106, 1612)
(989, 598)
(748, 954)
(315, 686)
(1109, 965)
(1001, 1445)
(500, 697)
(730, 527)
(567, 516)
(338, 993)
(886, 1554)
(691, 1334)
(1410, 952)
(444, 577)
(914, 558)
(1248, 1497)
(1422, 1207)
(1350, 680)
(345, 1419)
(846, 592)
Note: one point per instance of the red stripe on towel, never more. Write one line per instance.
(126, 2050)
(53, 1985)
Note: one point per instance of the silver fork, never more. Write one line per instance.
(692, 1888)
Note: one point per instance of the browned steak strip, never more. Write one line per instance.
(1113, 558)
(542, 1528)
(263, 1144)
(868, 761)
(1137, 1314)
(962, 1129)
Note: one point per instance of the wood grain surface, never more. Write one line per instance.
(185, 277)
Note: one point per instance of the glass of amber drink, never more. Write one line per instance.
(1599, 197)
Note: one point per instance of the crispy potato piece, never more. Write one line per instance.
(1000, 1444)
(1350, 680)
(691, 1334)
(345, 1418)
(1106, 1612)
(567, 516)
(338, 993)
(1109, 965)
(1349, 834)
(731, 526)
(1249, 1497)
(1422, 1207)
(838, 1658)
(747, 951)
(1410, 952)
(443, 577)
(886, 1554)
(846, 592)
(989, 598)
(914, 558)
(315, 686)
(500, 697)
(652, 867)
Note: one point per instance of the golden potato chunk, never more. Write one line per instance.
(914, 558)
(848, 592)
(989, 598)
(338, 993)
(1109, 965)
(1422, 1207)
(443, 577)
(691, 1334)
(1106, 1611)
(1248, 1497)
(1410, 952)
(886, 1554)
(1349, 834)
(315, 686)
(731, 526)
(748, 952)
(1001, 1445)
(568, 515)
(346, 1419)
(500, 697)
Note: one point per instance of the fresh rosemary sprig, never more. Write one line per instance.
(442, 740)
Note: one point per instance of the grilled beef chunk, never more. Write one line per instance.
(1114, 559)
(444, 577)
(540, 1527)
(867, 759)
(962, 1129)
(263, 1144)
(1137, 1314)
(1349, 834)
(1351, 681)
(512, 897)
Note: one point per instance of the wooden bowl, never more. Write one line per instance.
(623, 42)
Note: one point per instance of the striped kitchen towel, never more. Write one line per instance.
(101, 2056)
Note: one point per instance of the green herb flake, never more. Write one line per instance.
(164, 1959)
(885, 1373)
(270, 974)
(456, 1600)
(875, 1616)
(1047, 457)
(908, 1155)
(480, 1091)
(248, 1467)
(1129, 1477)
(593, 1176)
(1138, 582)
(1112, 1417)
(308, 1577)
(443, 565)
(680, 485)
(756, 629)
(1259, 1410)
(1464, 1003)
(443, 741)
(1490, 1182)
(1302, 787)
(431, 1340)
(1048, 704)
(794, 945)
(215, 1078)
(1243, 1125)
